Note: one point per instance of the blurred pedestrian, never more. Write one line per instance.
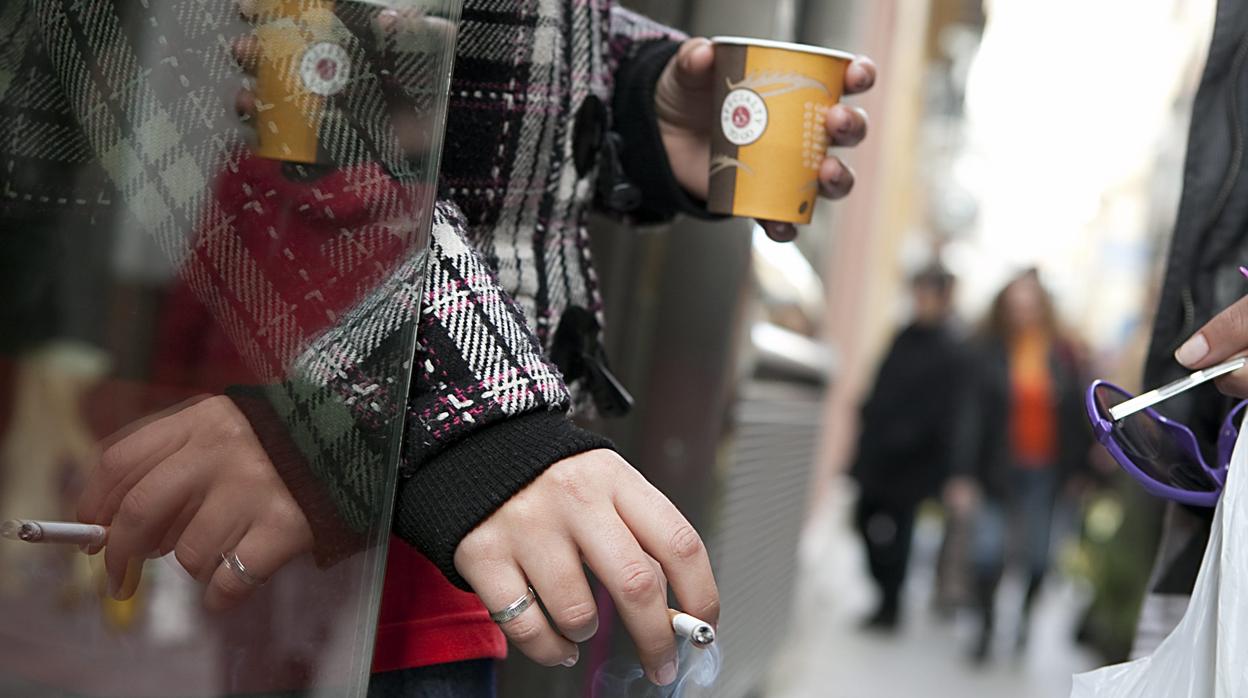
(1021, 433)
(903, 452)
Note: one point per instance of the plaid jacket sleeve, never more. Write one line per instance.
(486, 412)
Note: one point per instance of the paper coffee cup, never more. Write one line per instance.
(772, 100)
(302, 65)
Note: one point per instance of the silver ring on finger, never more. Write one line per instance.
(515, 608)
(235, 565)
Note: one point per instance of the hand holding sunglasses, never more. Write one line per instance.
(1164, 455)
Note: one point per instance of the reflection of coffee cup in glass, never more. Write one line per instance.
(771, 101)
(302, 64)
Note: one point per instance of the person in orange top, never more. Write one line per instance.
(1020, 435)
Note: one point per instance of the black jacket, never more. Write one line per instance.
(904, 450)
(1210, 242)
(982, 447)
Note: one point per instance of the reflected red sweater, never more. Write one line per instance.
(424, 619)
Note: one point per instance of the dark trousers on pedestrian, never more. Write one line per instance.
(1020, 526)
(887, 529)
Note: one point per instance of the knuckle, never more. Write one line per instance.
(112, 464)
(708, 609)
(191, 558)
(132, 512)
(231, 587)
(578, 618)
(220, 412)
(480, 545)
(285, 515)
(657, 649)
(523, 513)
(523, 630)
(227, 592)
(571, 486)
(686, 544)
(639, 582)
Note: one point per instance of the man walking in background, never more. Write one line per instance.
(904, 449)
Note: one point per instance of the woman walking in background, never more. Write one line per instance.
(1020, 435)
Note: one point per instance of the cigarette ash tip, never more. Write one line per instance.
(699, 632)
(702, 636)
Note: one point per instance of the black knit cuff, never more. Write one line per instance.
(643, 155)
(463, 485)
(333, 539)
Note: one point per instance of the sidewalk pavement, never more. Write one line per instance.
(827, 656)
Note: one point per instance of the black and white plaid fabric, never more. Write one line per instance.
(127, 107)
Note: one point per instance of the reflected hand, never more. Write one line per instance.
(195, 482)
(684, 102)
(1225, 337)
(592, 509)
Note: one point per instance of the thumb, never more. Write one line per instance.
(1223, 337)
(694, 65)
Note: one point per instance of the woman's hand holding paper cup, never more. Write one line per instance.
(688, 103)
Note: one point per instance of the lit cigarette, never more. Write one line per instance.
(699, 632)
(53, 532)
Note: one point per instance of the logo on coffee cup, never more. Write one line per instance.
(744, 117)
(325, 69)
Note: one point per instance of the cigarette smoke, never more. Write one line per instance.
(699, 669)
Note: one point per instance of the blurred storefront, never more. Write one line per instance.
(1006, 135)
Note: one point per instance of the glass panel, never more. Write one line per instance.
(213, 218)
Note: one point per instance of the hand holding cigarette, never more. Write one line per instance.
(31, 531)
(194, 481)
(591, 510)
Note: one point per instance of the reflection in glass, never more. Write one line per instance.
(213, 216)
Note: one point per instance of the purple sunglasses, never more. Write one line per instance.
(1161, 454)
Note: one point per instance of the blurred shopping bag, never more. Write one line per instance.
(1205, 656)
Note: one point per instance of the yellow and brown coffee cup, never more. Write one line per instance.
(772, 100)
(302, 65)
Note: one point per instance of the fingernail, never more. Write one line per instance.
(845, 125)
(113, 587)
(388, 19)
(571, 661)
(667, 674)
(1193, 351)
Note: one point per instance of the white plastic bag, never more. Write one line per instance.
(1207, 654)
